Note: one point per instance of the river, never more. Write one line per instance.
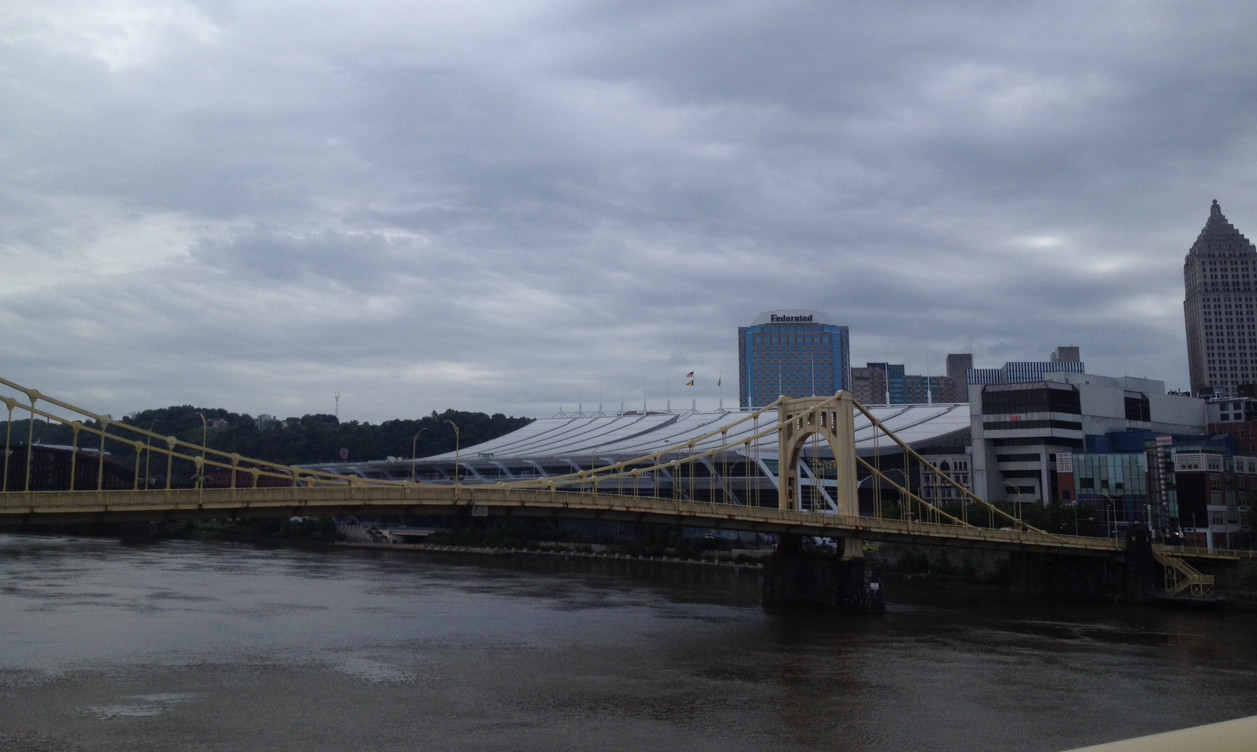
(209, 646)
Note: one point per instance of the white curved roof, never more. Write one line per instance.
(630, 435)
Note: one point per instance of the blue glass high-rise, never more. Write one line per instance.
(792, 353)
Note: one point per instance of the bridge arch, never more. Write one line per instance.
(833, 420)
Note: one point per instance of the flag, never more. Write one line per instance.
(690, 382)
(718, 381)
(689, 375)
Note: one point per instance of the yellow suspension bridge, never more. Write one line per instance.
(91, 488)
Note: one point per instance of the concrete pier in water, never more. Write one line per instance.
(841, 579)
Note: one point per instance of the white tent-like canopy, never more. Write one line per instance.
(569, 443)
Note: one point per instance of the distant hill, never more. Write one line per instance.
(291, 441)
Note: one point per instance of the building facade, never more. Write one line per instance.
(878, 384)
(1220, 308)
(792, 353)
(918, 390)
(1019, 430)
(1113, 483)
(1204, 490)
(1062, 360)
(955, 388)
(1193, 490)
(942, 480)
(1236, 417)
(890, 384)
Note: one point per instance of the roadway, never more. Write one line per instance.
(33, 508)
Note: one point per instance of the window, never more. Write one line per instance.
(1137, 407)
(1025, 457)
(1037, 399)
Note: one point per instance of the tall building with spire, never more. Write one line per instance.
(1220, 308)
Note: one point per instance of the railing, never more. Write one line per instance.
(507, 499)
(1227, 736)
(1182, 577)
(1201, 552)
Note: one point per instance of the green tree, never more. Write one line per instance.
(1248, 576)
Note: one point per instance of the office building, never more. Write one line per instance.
(1220, 309)
(955, 388)
(791, 353)
(1064, 359)
(919, 390)
(1186, 489)
(1236, 417)
(889, 384)
(1202, 488)
(1112, 480)
(1019, 430)
(879, 384)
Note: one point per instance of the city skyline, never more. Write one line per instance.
(526, 210)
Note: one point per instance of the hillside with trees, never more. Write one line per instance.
(306, 440)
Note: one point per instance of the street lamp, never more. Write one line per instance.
(1110, 503)
(456, 440)
(1017, 500)
(414, 444)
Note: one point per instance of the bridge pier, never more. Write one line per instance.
(1131, 576)
(843, 580)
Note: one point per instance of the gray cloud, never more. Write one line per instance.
(516, 208)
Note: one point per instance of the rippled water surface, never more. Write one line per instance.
(191, 646)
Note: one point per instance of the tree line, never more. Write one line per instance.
(310, 439)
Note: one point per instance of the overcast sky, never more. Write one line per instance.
(525, 206)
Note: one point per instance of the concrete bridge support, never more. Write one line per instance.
(1131, 576)
(795, 577)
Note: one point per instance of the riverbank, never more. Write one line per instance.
(436, 548)
(944, 585)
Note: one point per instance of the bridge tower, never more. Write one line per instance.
(796, 576)
(831, 418)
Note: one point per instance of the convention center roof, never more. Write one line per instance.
(587, 440)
